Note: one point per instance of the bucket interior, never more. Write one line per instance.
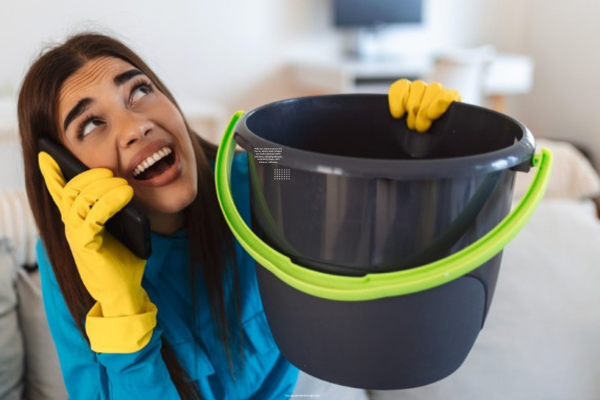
(357, 222)
(362, 127)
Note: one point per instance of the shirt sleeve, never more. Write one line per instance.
(90, 375)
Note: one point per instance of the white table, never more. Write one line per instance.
(508, 74)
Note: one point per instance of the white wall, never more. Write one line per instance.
(230, 51)
(206, 49)
(233, 52)
(564, 39)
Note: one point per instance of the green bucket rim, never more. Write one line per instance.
(376, 285)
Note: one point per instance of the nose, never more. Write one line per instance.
(133, 127)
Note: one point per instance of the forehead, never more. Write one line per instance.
(88, 79)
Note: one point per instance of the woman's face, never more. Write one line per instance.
(111, 115)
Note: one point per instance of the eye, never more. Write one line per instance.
(87, 126)
(140, 90)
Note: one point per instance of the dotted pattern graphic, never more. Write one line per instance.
(281, 174)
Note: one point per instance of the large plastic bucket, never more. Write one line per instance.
(378, 248)
(340, 186)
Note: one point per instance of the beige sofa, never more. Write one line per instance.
(29, 366)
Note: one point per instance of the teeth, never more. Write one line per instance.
(148, 162)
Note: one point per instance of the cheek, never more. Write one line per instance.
(174, 124)
(167, 114)
(97, 156)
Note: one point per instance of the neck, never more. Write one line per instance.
(166, 224)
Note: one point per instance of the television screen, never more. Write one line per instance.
(364, 13)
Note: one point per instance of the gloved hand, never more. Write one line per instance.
(424, 103)
(123, 318)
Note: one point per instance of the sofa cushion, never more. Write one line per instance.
(572, 177)
(43, 378)
(11, 343)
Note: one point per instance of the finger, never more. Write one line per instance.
(397, 96)
(87, 177)
(78, 184)
(423, 122)
(107, 206)
(89, 196)
(52, 175)
(417, 90)
(441, 103)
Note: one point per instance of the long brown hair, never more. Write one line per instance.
(211, 242)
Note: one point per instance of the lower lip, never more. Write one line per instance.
(167, 177)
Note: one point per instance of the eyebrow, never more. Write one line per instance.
(85, 103)
(125, 76)
(76, 111)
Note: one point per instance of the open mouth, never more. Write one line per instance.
(155, 165)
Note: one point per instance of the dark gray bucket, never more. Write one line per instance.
(341, 187)
(353, 191)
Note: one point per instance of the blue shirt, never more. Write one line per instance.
(143, 374)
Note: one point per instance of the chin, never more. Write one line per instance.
(175, 203)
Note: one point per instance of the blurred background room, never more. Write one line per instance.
(221, 56)
(535, 60)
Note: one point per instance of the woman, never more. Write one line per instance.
(188, 323)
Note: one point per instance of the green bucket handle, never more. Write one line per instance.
(376, 285)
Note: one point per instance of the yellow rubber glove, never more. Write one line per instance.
(422, 102)
(123, 318)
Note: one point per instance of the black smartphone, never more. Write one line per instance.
(130, 226)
